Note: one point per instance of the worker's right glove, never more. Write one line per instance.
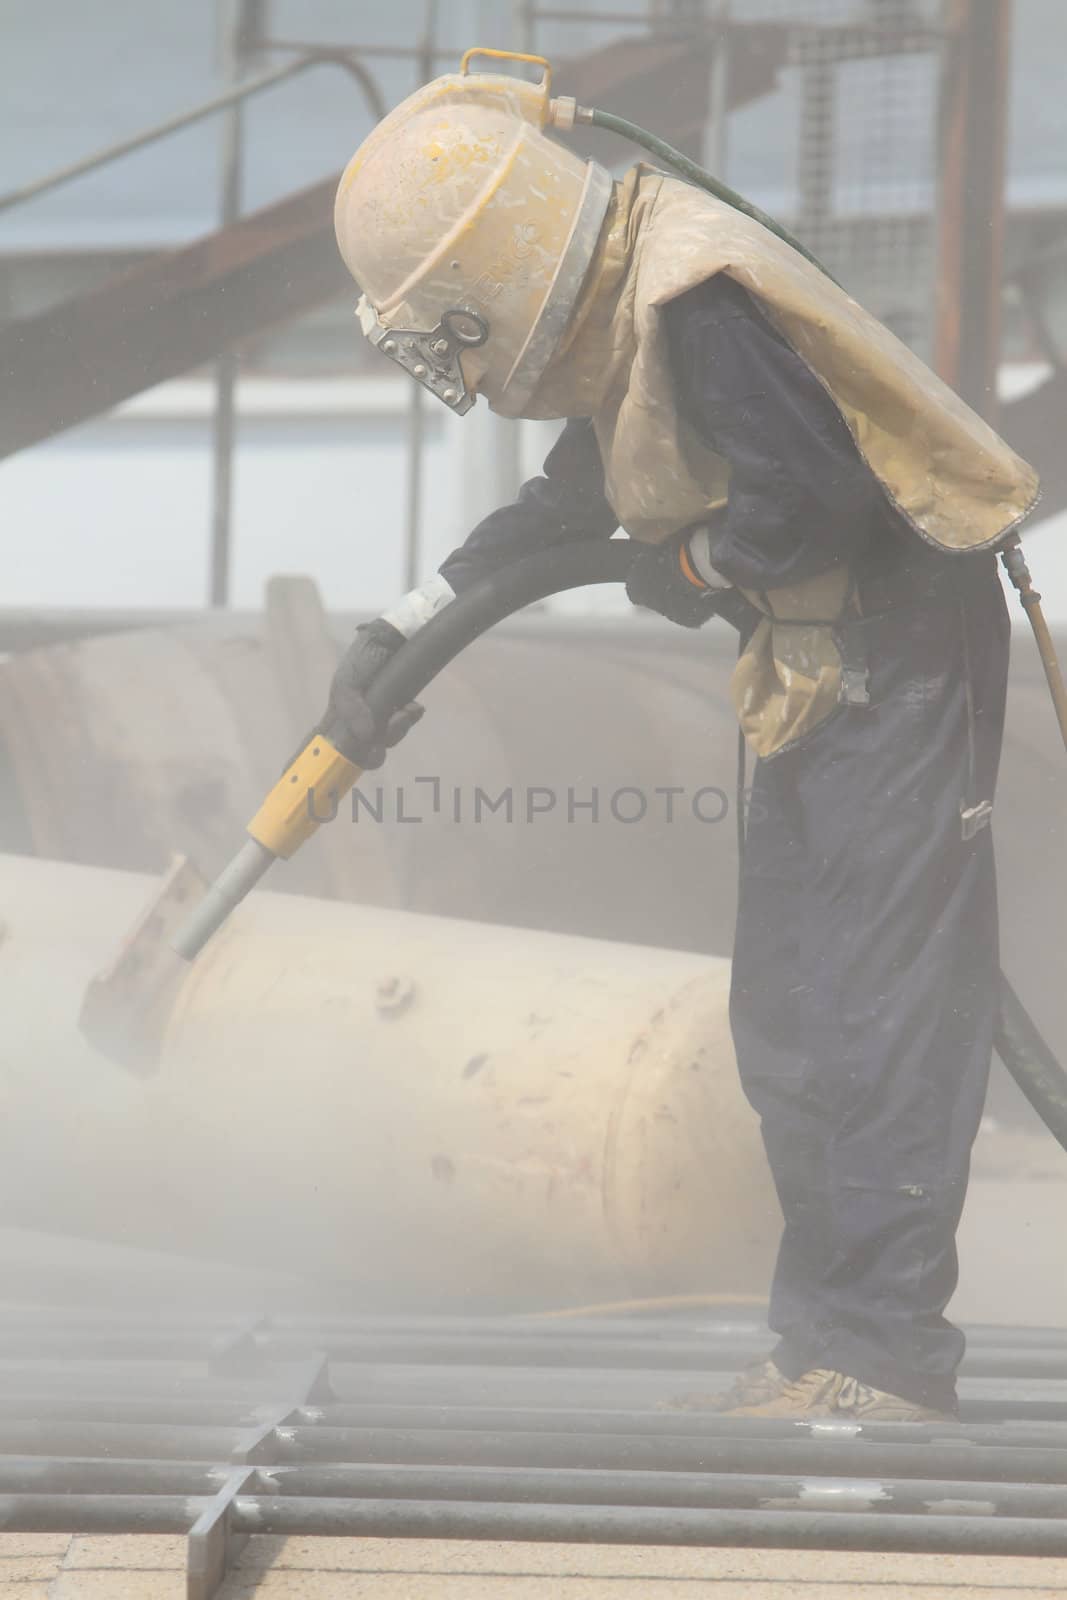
(676, 578)
(349, 723)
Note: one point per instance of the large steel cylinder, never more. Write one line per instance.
(117, 750)
(442, 1113)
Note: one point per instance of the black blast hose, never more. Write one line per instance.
(1029, 1058)
(479, 608)
(1019, 1043)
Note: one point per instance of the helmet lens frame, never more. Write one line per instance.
(431, 356)
(468, 328)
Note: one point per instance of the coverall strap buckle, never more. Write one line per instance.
(854, 689)
(974, 818)
(851, 645)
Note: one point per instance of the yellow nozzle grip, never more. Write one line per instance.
(307, 794)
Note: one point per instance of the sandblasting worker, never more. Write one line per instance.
(785, 461)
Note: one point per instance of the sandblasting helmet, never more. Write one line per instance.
(470, 232)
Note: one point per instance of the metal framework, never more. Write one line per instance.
(881, 256)
(501, 1428)
(971, 244)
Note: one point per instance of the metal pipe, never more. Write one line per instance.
(524, 26)
(197, 1409)
(716, 133)
(608, 1524)
(413, 513)
(41, 1475)
(234, 29)
(81, 1513)
(185, 119)
(416, 413)
(711, 1490)
(235, 881)
(940, 1458)
(732, 1332)
(647, 1401)
(401, 1344)
(128, 1440)
(983, 1405)
(554, 14)
(520, 1350)
(552, 1326)
(179, 1410)
(553, 1485)
(658, 1423)
(970, 206)
(388, 52)
(114, 1343)
(430, 1519)
(698, 1354)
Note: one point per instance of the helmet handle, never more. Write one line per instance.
(545, 85)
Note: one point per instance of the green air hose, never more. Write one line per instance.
(694, 173)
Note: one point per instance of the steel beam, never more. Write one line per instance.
(215, 1539)
(971, 200)
(173, 313)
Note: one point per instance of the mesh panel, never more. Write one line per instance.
(845, 150)
(864, 97)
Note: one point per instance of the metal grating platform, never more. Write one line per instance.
(526, 1429)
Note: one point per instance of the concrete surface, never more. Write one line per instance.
(53, 1567)
(1011, 1237)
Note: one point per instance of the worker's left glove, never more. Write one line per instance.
(677, 579)
(349, 723)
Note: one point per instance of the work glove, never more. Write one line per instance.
(676, 579)
(348, 722)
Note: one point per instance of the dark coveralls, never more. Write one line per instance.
(865, 977)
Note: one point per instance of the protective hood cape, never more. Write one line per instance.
(950, 476)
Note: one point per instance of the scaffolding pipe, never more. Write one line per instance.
(186, 119)
(426, 57)
(716, 134)
(234, 18)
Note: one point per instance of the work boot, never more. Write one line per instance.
(822, 1393)
(759, 1384)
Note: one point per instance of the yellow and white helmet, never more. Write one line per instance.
(470, 232)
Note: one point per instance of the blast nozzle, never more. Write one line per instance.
(227, 892)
